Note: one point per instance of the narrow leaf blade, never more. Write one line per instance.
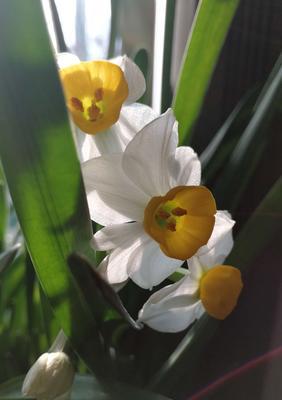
(212, 21)
(42, 170)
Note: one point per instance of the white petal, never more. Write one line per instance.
(132, 119)
(119, 260)
(102, 269)
(114, 140)
(220, 242)
(65, 60)
(112, 197)
(115, 271)
(134, 77)
(174, 307)
(106, 142)
(147, 156)
(102, 213)
(185, 168)
(116, 235)
(195, 267)
(148, 265)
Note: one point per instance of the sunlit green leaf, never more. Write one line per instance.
(42, 170)
(212, 21)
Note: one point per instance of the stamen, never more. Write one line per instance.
(171, 225)
(99, 94)
(93, 112)
(163, 214)
(77, 104)
(178, 211)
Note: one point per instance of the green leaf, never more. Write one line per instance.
(96, 290)
(85, 388)
(262, 226)
(3, 210)
(246, 155)
(211, 24)
(43, 172)
(217, 153)
(7, 257)
(168, 41)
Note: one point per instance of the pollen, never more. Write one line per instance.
(179, 212)
(99, 93)
(220, 288)
(93, 112)
(77, 104)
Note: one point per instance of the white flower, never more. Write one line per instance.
(208, 286)
(114, 118)
(50, 377)
(155, 214)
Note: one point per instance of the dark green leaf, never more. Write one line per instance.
(43, 172)
(247, 153)
(221, 146)
(96, 290)
(7, 257)
(212, 22)
(168, 40)
(3, 210)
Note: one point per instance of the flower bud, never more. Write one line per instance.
(50, 376)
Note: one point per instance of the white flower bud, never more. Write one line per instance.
(50, 376)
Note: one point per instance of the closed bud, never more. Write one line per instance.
(50, 376)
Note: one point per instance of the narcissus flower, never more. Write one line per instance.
(99, 96)
(208, 286)
(155, 214)
(50, 377)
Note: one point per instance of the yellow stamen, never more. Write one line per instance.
(181, 221)
(220, 288)
(95, 92)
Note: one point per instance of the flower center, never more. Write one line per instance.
(181, 221)
(168, 215)
(91, 109)
(220, 288)
(95, 92)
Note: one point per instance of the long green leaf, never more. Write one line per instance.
(42, 170)
(3, 210)
(212, 21)
(217, 153)
(168, 40)
(263, 225)
(7, 257)
(247, 153)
